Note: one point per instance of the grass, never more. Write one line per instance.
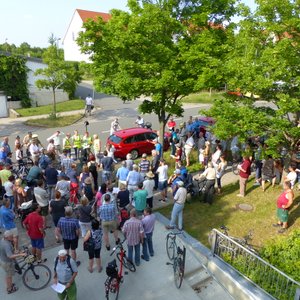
(47, 109)
(54, 123)
(200, 218)
(203, 97)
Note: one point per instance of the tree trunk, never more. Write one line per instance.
(162, 124)
(54, 103)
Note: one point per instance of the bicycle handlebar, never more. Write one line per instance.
(120, 245)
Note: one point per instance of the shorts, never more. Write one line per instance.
(44, 211)
(187, 151)
(37, 243)
(94, 253)
(282, 215)
(73, 244)
(108, 226)
(267, 178)
(9, 268)
(14, 231)
(162, 185)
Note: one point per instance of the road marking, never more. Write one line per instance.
(105, 131)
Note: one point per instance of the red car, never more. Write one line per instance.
(135, 140)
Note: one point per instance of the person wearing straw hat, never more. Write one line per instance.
(148, 185)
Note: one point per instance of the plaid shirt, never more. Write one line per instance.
(132, 229)
(108, 212)
(68, 227)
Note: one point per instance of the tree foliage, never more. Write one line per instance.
(13, 79)
(24, 49)
(264, 60)
(151, 51)
(57, 74)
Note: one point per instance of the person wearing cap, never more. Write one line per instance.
(173, 179)
(42, 198)
(34, 150)
(7, 257)
(148, 185)
(65, 273)
(69, 229)
(144, 165)
(177, 211)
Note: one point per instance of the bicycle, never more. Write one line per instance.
(235, 170)
(115, 275)
(21, 170)
(178, 260)
(36, 276)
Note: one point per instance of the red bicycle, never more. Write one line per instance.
(114, 275)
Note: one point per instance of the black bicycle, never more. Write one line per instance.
(177, 255)
(114, 275)
(36, 276)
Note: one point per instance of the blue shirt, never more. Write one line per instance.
(134, 178)
(158, 149)
(7, 218)
(68, 227)
(108, 212)
(122, 173)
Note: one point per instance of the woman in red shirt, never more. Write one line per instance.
(284, 201)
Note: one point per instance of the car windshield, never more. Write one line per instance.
(114, 139)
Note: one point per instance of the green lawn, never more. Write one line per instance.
(54, 123)
(203, 97)
(47, 109)
(200, 218)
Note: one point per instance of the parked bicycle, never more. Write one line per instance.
(35, 276)
(177, 255)
(21, 170)
(115, 275)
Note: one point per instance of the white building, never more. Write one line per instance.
(71, 49)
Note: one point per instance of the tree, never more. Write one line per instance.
(57, 74)
(264, 60)
(145, 52)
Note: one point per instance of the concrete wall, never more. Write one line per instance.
(71, 49)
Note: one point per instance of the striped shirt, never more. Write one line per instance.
(133, 229)
(144, 166)
(68, 228)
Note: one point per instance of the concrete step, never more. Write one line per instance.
(198, 277)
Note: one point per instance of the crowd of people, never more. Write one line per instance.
(63, 181)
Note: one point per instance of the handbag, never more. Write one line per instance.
(89, 245)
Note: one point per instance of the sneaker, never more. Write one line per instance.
(42, 260)
(282, 230)
(276, 225)
(108, 247)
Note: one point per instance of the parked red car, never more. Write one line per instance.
(135, 140)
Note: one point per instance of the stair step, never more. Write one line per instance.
(198, 277)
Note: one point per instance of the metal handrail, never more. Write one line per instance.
(237, 250)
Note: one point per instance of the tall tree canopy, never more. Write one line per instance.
(156, 50)
(264, 60)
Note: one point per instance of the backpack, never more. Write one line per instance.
(68, 263)
(111, 269)
(124, 216)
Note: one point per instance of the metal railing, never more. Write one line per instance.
(265, 276)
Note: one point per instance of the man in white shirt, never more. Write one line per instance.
(114, 126)
(139, 121)
(189, 144)
(162, 172)
(177, 211)
(56, 137)
(88, 104)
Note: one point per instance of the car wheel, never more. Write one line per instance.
(134, 153)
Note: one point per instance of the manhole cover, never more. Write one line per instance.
(245, 207)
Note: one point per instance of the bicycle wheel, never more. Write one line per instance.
(112, 289)
(171, 246)
(126, 262)
(234, 168)
(178, 271)
(36, 277)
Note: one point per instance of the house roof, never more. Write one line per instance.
(86, 14)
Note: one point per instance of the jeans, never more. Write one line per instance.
(177, 211)
(51, 191)
(258, 165)
(148, 246)
(137, 254)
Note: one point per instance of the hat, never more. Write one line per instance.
(150, 174)
(8, 233)
(180, 183)
(88, 180)
(177, 171)
(62, 252)
(34, 136)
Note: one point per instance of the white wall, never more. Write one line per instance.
(71, 49)
(33, 66)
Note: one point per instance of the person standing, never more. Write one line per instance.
(97, 148)
(144, 165)
(42, 198)
(7, 258)
(89, 104)
(220, 171)
(210, 175)
(67, 143)
(154, 167)
(65, 272)
(115, 126)
(34, 175)
(9, 191)
(122, 174)
(76, 138)
(188, 146)
(107, 164)
(177, 211)
(268, 172)
(148, 224)
(108, 214)
(140, 199)
(57, 141)
(34, 225)
(134, 233)
(68, 227)
(87, 143)
(27, 140)
(284, 202)
(84, 210)
(50, 176)
(95, 233)
(163, 180)
(244, 173)
(148, 185)
(132, 181)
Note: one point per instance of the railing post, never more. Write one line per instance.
(213, 241)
